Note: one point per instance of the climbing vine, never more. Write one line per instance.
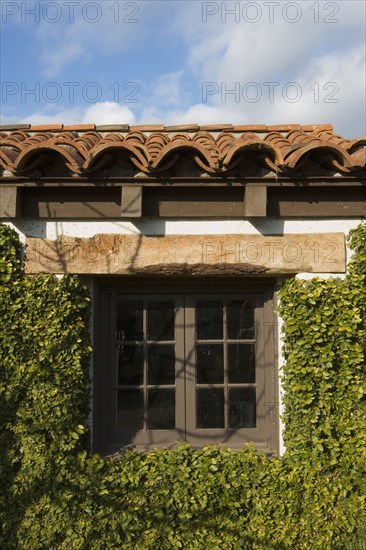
(56, 495)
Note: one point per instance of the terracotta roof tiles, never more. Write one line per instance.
(152, 149)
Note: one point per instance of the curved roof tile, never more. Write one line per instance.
(153, 149)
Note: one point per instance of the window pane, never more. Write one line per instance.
(130, 410)
(242, 408)
(210, 408)
(161, 410)
(241, 361)
(160, 318)
(161, 364)
(129, 320)
(240, 319)
(209, 320)
(210, 363)
(130, 365)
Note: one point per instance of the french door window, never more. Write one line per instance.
(183, 366)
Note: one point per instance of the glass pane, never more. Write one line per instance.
(160, 319)
(240, 319)
(130, 365)
(209, 320)
(241, 361)
(161, 364)
(242, 408)
(210, 408)
(129, 321)
(161, 410)
(130, 410)
(210, 363)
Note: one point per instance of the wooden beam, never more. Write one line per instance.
(131, 201)
(118, 254)
(9, 202)
(255, 201)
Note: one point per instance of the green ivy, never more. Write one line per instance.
(44, 361)
(10, 256)
(55, 495)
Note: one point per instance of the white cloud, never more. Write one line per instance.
(229, 48)
(56, 57)
(108, 112)
(232, 54)
(167, 89)
(105, 112)
(340, 80)
(329, 90)
(195, 114)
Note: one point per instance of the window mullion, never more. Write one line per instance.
(226, 374)
(145, 335)
(185, 363)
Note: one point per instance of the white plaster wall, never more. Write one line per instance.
(53, 229)
(268, 226)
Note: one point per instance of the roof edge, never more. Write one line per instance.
(258, 128)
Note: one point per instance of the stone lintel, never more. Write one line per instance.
(188, 254)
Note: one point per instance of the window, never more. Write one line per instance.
(188, 364)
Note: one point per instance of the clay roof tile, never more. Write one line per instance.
(153, 148)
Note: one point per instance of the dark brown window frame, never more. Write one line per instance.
(267, 438)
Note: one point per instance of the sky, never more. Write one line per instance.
(184, 62)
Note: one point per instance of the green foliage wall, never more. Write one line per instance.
(324, 378)
(44, 357)
(55, 495)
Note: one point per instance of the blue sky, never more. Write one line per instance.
(187, 61)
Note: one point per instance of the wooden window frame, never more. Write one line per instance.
(266, 438)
